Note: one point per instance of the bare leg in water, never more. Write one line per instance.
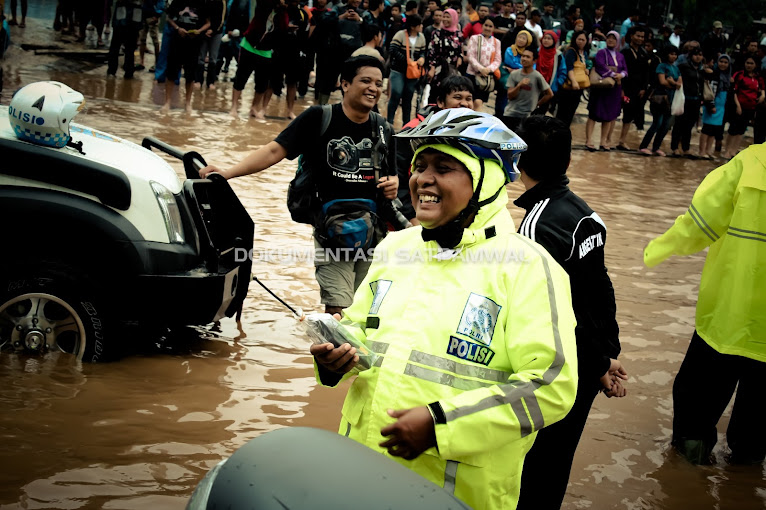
(590, 125)
(260, 102)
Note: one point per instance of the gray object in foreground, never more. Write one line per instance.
(311, 469)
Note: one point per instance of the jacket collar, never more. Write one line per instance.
(542, 190)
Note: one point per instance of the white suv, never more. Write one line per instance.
(107, 237)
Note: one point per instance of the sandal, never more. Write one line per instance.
(623, 147)
(659, 153)
(605, 148)
(22, 25)
(645, 151)
(591, 148)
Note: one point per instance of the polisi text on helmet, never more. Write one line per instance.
(15, 113)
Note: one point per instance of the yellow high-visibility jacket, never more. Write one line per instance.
(492, 340)
(727, 213)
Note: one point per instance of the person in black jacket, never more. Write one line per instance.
(635, 84)
(574, 235)
(693, 74)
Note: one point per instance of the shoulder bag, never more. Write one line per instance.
(484, 83)
(492, 58)
(581, 77)
(597, 82)
(414, 71)
(707, 91)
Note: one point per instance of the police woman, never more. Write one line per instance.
(473, 323)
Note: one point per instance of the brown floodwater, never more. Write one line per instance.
(141, 432)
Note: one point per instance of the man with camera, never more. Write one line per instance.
(350, 154)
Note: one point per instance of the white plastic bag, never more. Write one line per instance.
(323, 327)
(426, 94)
(677, 106)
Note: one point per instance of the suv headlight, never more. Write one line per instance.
(170, 212)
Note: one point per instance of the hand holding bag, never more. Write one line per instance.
(414, 71)
(596, 81)
(677, 106)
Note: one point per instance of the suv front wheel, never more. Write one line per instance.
(54, 310)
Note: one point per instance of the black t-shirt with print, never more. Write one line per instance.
(188, 14)
(341, 158)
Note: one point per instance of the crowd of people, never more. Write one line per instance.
(529, 60)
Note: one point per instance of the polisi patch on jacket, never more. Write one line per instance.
(479, 318)
(469, 351)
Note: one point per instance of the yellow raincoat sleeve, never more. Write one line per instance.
(540, 342)
(354, 318)
(705, 221)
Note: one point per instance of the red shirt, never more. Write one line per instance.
(472, 29)
(747, 89)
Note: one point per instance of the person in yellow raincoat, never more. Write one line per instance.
(728, 214)
(473, 323)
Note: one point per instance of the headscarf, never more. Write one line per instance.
(724, 78)
(453, 15)
(516, 49)
(546, 59)
(616, 48)
(616, 34)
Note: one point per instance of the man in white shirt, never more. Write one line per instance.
(533, 25)
(675, 37)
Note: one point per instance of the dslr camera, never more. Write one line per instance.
(348, 157)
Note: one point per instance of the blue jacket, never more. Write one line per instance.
(561, 73)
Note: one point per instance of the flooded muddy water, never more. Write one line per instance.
(141, 432)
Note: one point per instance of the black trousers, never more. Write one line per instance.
(546, 469)
(682, 129)
(123, 36)
(702, 390)
(568, 101)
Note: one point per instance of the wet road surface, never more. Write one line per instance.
(140, 433)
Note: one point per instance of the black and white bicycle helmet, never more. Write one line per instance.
(479, 134)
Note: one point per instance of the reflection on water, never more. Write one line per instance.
(141, 433)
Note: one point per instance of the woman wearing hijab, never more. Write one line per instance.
(511, 61)
(483, 56)
(713, 111)
(568, 98)
(550, 63)
(444, 53)
(605, 104)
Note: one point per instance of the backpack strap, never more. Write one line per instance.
(326, 118)
(382, 132)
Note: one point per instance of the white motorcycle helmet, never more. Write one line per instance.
(41, 112)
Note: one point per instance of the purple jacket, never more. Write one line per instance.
(603, 59)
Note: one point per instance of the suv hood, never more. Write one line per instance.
(138, 163)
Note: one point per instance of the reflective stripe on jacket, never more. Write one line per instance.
(488, 334)
(727, 213)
